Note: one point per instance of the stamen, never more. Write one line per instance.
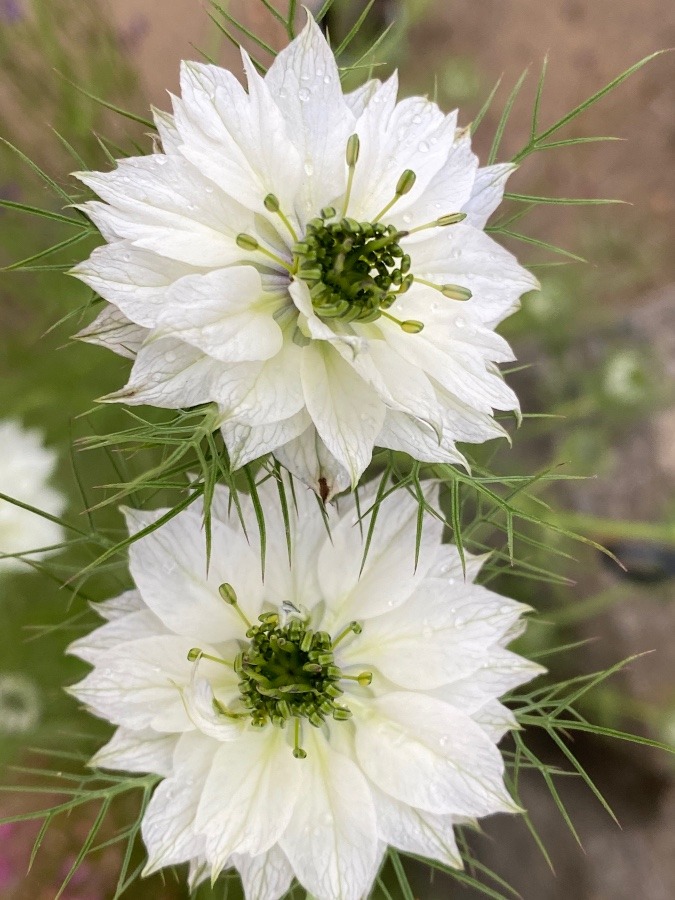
(352, 628)
(298, 752)
(228, 594)
(196, 654)
(246, 242)
(272, 204)
(443, 222)
(365, 679)
(451, 291)
(405, 184)
(353, 149)
(410, 326)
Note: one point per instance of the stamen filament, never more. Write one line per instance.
(246, 242)
(404, 186)
(364, 678)
(272, 204)
(228, 594)
(410, 326)
(443, 222)
(353, 148)
(451, 291)
(352, 628)
(196, 654)
(298, 752)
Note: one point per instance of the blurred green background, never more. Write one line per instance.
(598, 341)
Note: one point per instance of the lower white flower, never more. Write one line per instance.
(25, 468)
(304, 722)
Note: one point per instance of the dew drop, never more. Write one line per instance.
(327, 79)
(391, 604)
(170, 356)
(126, 257)
(309, 168)
(161, 160)
(304, 94)
(407, 218)
(435, 307)
(423, 147)
(282, 92)
(443, 741)
(505, 609)
(460, 322)
(305, 77)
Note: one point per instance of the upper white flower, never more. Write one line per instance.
(25, 468)
(304, 722)
(281, 255)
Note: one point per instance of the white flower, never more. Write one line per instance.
(234, 277)
(25, 467)
(352, 713)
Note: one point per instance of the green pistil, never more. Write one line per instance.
(355, 271)
(289, 672)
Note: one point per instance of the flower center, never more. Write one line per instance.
(288, 671)
(354, 270)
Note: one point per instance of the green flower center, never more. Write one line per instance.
(355, 271)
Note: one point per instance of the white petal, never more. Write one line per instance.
(347, 413)
(413, 134)
(170, 569)
(305, 83)
(500, 673)
(447, 192)
(135, 280)
(128, 602)
(234, 138)
(487, 193)
(168, 829)
(464, 255)
(166, 128)
(415, 831)
(358, 99)
(264, 877)
(138, 684)
(331, 842)
(403, 432)
(163, 204)
(308, 459)
(495, 719)
(169, 374)
(429, 755)
(137, 751)
(113, 330)
(249, 796)
(112, 634)
(225, 313)
(389, 575)
(440, 634)
(248, 442)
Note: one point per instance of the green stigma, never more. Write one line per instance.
(355, 271)
(288, 671)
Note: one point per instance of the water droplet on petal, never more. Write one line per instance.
(407, 218)
(460, 322)
(305, 77)
(170, 356)
(327, 79)
(309, 167)
(423, 147)
(304, 94)
(161, 160)
(416, 119)
(443, 741)
(505, 609)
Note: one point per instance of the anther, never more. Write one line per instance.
(195, 654)
(246, 242)
(442, 222)
(451, 291)
(410, 326)
(229, 595)
(352, 628)
(364, 679)
(403, 186)
(272, 203)
(352, 156)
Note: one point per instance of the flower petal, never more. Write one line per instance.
(170, 569)
(415, 831)
(308, 459)
(264, 877)
(487, 193)
(429, 755)
(331, 842)
(305, 83)
(137, 751)
(168, 826)
(347, 413)
(224, 313)
(113, 330)
(440, 634)
(259, 777)
(248, 442)
(118, 631)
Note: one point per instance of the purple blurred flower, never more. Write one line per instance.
(11, 11)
